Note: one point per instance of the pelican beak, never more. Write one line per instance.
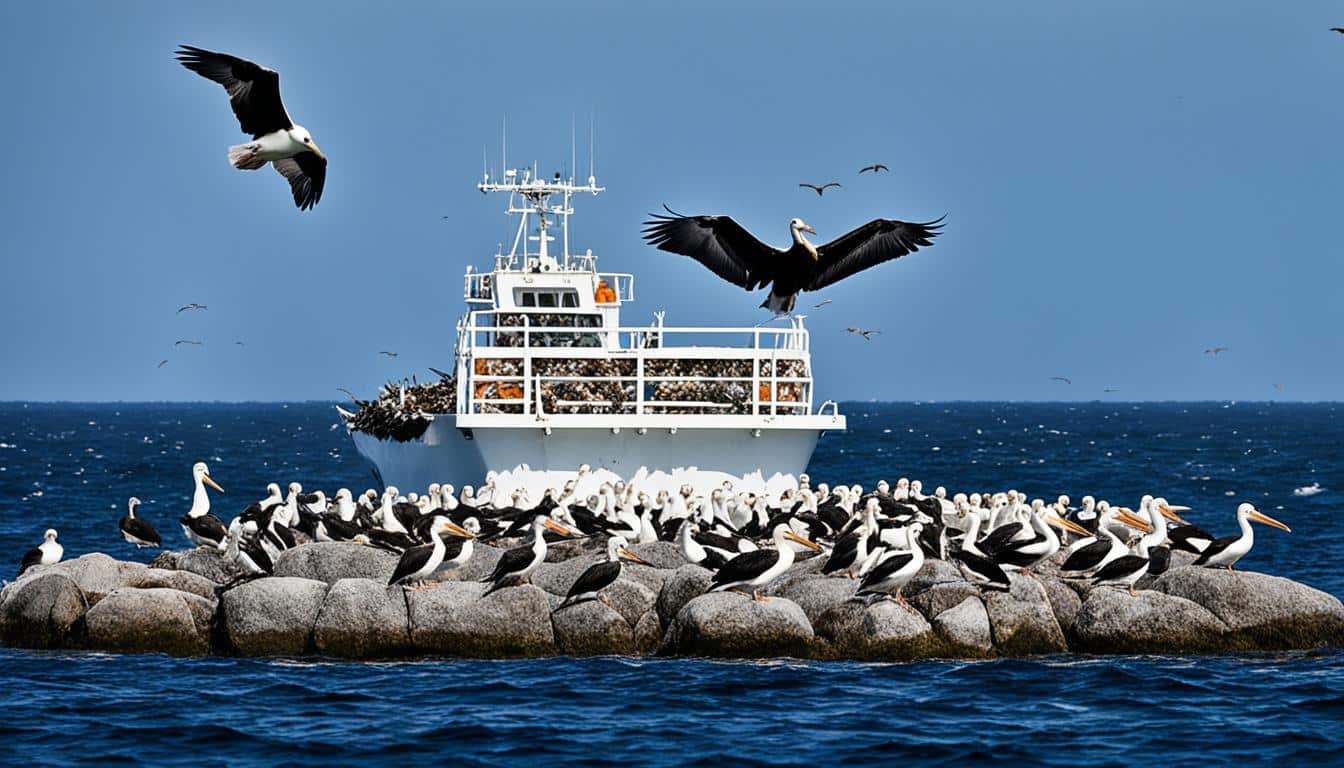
(457, 530)
(1070, 526)
(808, 229)
(1129, 518)
(1267, 520)
(1170, 514)
(632, 557)
(312, 145)
(554, 526)
(809, 544)
(206, 479)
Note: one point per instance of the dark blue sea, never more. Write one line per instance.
(73, 466)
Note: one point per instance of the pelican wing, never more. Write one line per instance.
(254, 90)
(718, 242)
(306, 173)
(871, 244)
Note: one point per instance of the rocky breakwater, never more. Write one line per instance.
(332, 599)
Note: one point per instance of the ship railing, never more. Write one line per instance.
(479, 288)
(477, 334)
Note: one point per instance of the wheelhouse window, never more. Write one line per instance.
(548, 299)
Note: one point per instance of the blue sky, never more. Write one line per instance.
(1126, 183)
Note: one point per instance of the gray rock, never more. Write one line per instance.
(96, 574)
(964, 628)
(43, 610)
(648, 633)
(331, 561)
(1113, 621)
(183, 581)
(1021, 619)
(730, 625)
(1263, 612)
(685, 584)
(154, 620)
(592, 629)
(660, 554)
(1064, 601)
(274, 615)
(884, 630)
(560, 551)
(631, 599)
(653, 578)
(201, 561)
(817, 594)
(454, 619)
(934, 573)
(363, 619)
(483, 560)
(557, 578)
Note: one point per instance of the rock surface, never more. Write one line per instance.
(363, 619)
(45, 610)
(273, 616)
(884, 630)
(1113, 621)
(454, 619)
(964, 628)
(1021, 620)
(731, 625)
(1262, 612)
(331, 561)
(154, 620)
(592, 629)
(208, 563)
(685, 584)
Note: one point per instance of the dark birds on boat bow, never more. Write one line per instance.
(734, 254)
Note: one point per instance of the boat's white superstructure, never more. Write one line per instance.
(548, 377)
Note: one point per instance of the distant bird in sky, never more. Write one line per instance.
(1215, 351)
(734, 254)
(1064, 379)
(875, 167)
(193, 342)
(821, 303)
(239, 343)
(254, 93)
(162, 363)
(1340, 30)
(866, 333)
(388, 354)
(192, 305)
(821, 190)
(1279, 387)
(1110, 389)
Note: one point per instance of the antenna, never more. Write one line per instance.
(504, 148)
(592, 129)
(573, 158)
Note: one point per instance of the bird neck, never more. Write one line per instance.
(798, 239)
(200, 500)
(1247, 531)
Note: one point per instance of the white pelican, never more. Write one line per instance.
(519, 563)
(200, 527)
(893, 571)
(758, 568)
(1093, 554)
(1224, 552)
(417, 563)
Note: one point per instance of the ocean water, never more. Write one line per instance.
(72, 467)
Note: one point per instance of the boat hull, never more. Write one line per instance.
(462, 456)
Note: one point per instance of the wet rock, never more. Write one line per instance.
(273, 616)
(730, 625)
(331, 561)
(1113, 621)
(1021, 619)
(1064, 601)
(183, 581)
(454, 619)
(363, 619)
(592, 629)
(1262, 612)
(817, 594)
(884, 630)
(154, 620)
(41, 611)
(660, 554)
(964, 628)
(685, 584)
(648, 633)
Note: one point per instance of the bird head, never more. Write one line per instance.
(202, 473)
(50, 535)
(300, 135)
(798, 225)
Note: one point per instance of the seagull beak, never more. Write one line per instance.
(1069, 525)
(1267, 520)
(810, 545)
(554, 526)
(1170, 514)
(632, 557)
(458, 530)
(206, 479)
(1129, 518)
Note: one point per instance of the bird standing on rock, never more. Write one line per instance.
(49, 552)
(601, 575)
(137, 530)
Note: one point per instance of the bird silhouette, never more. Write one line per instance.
(1215, 351)
(820, 190)
(875, 167)
(193, 342)
(866, 333)
(388, 354)
(192, 305)
(821, 303)
(162, 363)
(1064, 379)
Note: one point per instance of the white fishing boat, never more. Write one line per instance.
(546, 376)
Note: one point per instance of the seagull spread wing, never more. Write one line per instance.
(306, 173)
(254, 90)
(718, 242)
(871, 244)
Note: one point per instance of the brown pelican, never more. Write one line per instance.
(734, 254)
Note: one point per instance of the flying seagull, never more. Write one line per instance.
(388, 354)
(1340, 30)
(1110, 389)
(239, 343)
(875, 167)
(821, 190)
(866, 333)
(192, 305)
(1215, 351)
(1064, 379)
(821, 303)
(254, 92)
(180, 342)
(1279, 387)
(734, 254)
(162, 363)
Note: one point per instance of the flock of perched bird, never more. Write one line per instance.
(879, 537)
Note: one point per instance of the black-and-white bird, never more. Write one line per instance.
(866, 333)
(875, 167)
(820, 189)
(388, 354)
(162, 363)
(518, 563)
(418, 562)
(734, 254)
(254, 93)
(137, 530)
(758, 568)
(894, 569)
(601, 575)
(1224, 552)
(198, 525)
(192, 305)
(49, 552)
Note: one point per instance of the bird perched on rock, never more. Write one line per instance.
(137, 530)
(254, 93)
(601, 575)
(49, 552)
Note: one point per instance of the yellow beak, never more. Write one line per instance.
(1128, 518)
(554, 526)
(1068, 525)
(206, 479)
(312, 145)
(1170, 514)
(1267, 520)
(808, 229)
(457, 530)
(795, 537)
(632, 557)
